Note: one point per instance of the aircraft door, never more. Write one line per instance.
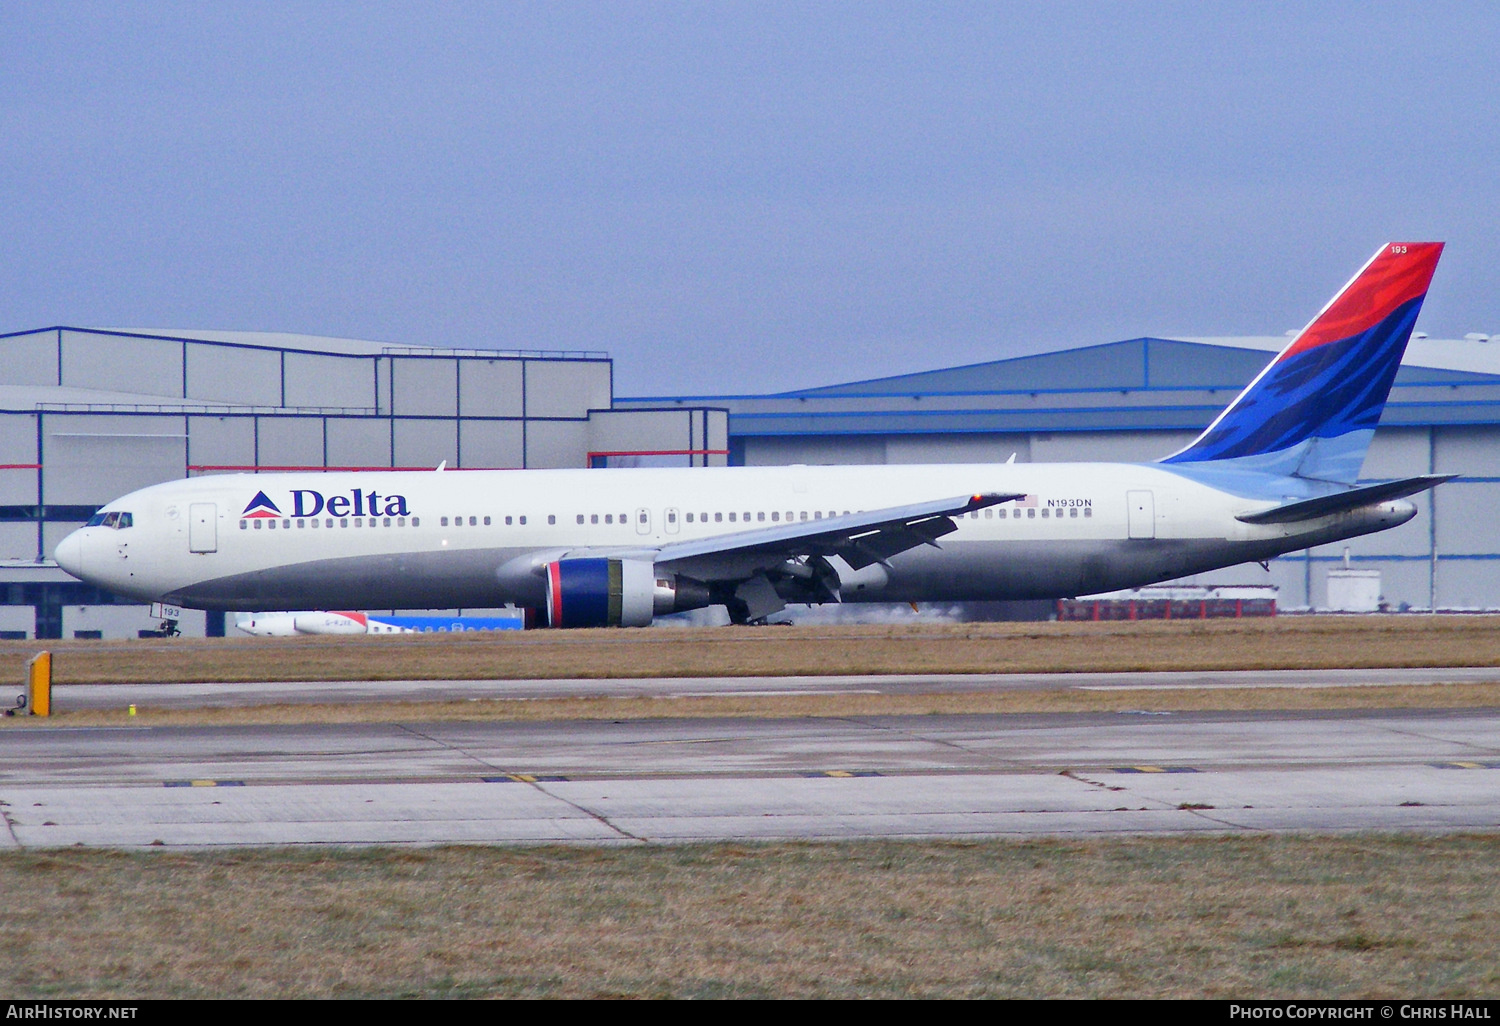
(1142, 512)
(643, 521)
(203, 527)
(670, 520)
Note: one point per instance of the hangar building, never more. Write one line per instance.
(1143, 398)
(87, 415)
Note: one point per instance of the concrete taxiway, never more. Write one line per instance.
(188, 696)
(669, 781)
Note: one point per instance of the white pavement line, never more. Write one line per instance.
(728, 693)
(1300, 685)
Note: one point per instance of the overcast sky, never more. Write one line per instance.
(736, 198)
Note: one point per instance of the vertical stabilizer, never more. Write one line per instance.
(1313, 410)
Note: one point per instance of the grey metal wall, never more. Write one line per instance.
(87, 416)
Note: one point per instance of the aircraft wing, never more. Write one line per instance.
(860, 539)
(1340, 502)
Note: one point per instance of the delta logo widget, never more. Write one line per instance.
(307, 502)
(261, 508)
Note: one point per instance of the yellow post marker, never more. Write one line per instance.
(39, 684)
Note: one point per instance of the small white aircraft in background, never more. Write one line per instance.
(1275, 472)
(287, 624)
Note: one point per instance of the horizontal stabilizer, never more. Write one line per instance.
(1341, 502)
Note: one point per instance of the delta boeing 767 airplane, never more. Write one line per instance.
(1275, 472)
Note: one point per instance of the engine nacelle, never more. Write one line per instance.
(600, 593)
(597, 592)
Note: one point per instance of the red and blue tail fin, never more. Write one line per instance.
(1312, 412)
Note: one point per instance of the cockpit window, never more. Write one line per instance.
(116, 519)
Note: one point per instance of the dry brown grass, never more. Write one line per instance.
(1281, 643)
(1368, 916)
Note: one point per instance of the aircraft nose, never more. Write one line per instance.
(69, 554)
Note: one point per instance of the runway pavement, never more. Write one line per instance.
(666, 781)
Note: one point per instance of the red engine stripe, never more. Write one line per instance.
(554, 595)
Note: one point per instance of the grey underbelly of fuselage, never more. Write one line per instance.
(413, 580)
(1001, 571)
(960, 571)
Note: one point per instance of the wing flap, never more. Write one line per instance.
(879, 546)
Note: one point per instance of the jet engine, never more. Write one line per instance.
(598, 592)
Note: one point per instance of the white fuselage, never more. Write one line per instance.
(445, 539)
